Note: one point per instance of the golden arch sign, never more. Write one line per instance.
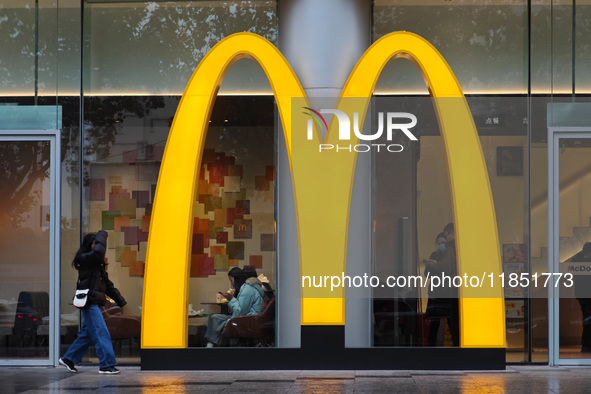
(322, 252)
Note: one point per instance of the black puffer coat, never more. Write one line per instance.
(92, 274)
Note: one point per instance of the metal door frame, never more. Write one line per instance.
(53, 136)
(554, 135)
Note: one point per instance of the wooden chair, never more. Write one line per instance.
(121, 326)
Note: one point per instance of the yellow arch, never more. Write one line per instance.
(322, 222)
(164, 320)
(482, 311)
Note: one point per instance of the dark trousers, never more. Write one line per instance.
(585, 304)
(454, 321)
(434, 323)
(444, 308)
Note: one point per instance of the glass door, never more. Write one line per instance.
(570, 239)
(29, 235)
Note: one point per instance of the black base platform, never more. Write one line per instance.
(323, 348)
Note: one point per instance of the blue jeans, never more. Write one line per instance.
(94, 331)
(215, 327)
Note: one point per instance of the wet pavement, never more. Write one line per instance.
(515, 379)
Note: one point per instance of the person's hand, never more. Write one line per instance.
(228, 296)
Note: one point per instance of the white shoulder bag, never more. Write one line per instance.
(80, 298)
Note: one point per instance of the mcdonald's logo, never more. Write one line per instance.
(322, 252)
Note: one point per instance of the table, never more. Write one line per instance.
(224, 310)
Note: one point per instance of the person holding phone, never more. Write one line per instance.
(245, 299)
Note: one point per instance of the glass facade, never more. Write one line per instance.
(110, 75)
(494, 76)
(26, 200)
(128, 112)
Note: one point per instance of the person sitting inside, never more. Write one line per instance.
(245, 299)
(268, 290)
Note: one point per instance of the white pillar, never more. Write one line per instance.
(323, 40)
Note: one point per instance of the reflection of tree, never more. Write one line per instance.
(104, 119)
(489, 35)
(166, 40)
(23, 56)
(250, 119)
(23, 163)
(172, 36)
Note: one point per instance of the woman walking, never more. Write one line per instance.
(90, 263)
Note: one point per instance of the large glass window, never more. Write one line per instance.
(29, 52)
(39, 62)
(138, 57)
(25, 248)
(486, 46)
(234, 217)
(494, 34)
(153, 47)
